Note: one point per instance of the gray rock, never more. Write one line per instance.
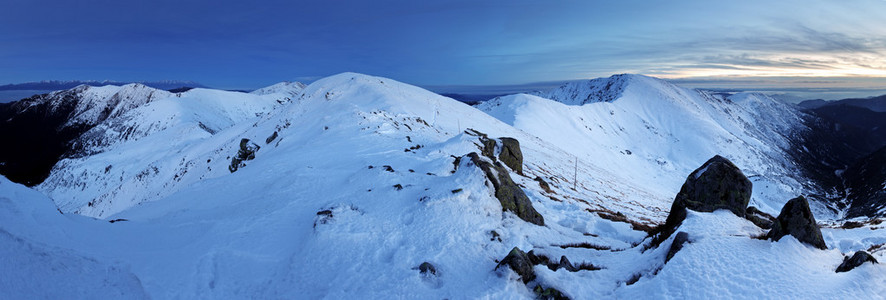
(717, 184)
(246, 152)
(679, 239)
(797, 220)
(857, 259)
(566, 264)
(518, 261)
(427, 268)
(511, 155)
(507, 192)
(759, 218)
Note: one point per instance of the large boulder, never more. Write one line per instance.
(717, 184)
(507, 192)
(857, 259)
(797, 220)
(518, 261)
(511, 155)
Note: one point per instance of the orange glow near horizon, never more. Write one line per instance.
(873, 66)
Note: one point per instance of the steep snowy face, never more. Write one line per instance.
(591, 91)
(651, 131)
(145, 152)
(99, 103)
(44, 126)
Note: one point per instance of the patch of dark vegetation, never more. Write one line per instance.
(544, 185)
(117, 220)
(398, 187)
(634, 278)
(620, 217)
(388, 168)
(851, 225)
(585, 245)
(548, 293)
(456, 191)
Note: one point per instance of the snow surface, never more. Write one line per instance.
(318, 212)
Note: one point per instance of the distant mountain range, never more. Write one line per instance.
(877, 104)
(52, 85)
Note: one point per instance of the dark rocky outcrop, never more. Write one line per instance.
(759, 218)
(510, 195)
(857, 259)
(566, 264)
(511, 155)
(797, 220)
(427, 268)
(717, 184)
(518, 261)
(679, 239)
(271, 138)
(246, 152)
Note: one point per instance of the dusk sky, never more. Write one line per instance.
(249, 44)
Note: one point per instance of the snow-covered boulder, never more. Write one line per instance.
(717, 184)
(797, 220)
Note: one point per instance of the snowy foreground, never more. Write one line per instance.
(360, 185)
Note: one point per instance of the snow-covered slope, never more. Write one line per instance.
(650, 131)
(149, 151)
(292, 88)
(354, 185)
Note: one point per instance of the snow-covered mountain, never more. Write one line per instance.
(364, 187)
(651, 131)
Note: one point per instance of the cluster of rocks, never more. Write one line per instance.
(719, 184)
(246, 152)
(508, 193)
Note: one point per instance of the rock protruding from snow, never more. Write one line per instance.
(510, 195)
(679, 239)
(246, 152)
(511, 155)
(427, 269)
(857, 259)
(759, 218)
(797, 220)
(717, 184)
(518, 261)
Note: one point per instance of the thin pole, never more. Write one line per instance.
(575, 176)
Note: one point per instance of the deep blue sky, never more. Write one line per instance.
(248, 44)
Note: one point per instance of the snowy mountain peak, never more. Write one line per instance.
(605, 89)
(291, 88)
